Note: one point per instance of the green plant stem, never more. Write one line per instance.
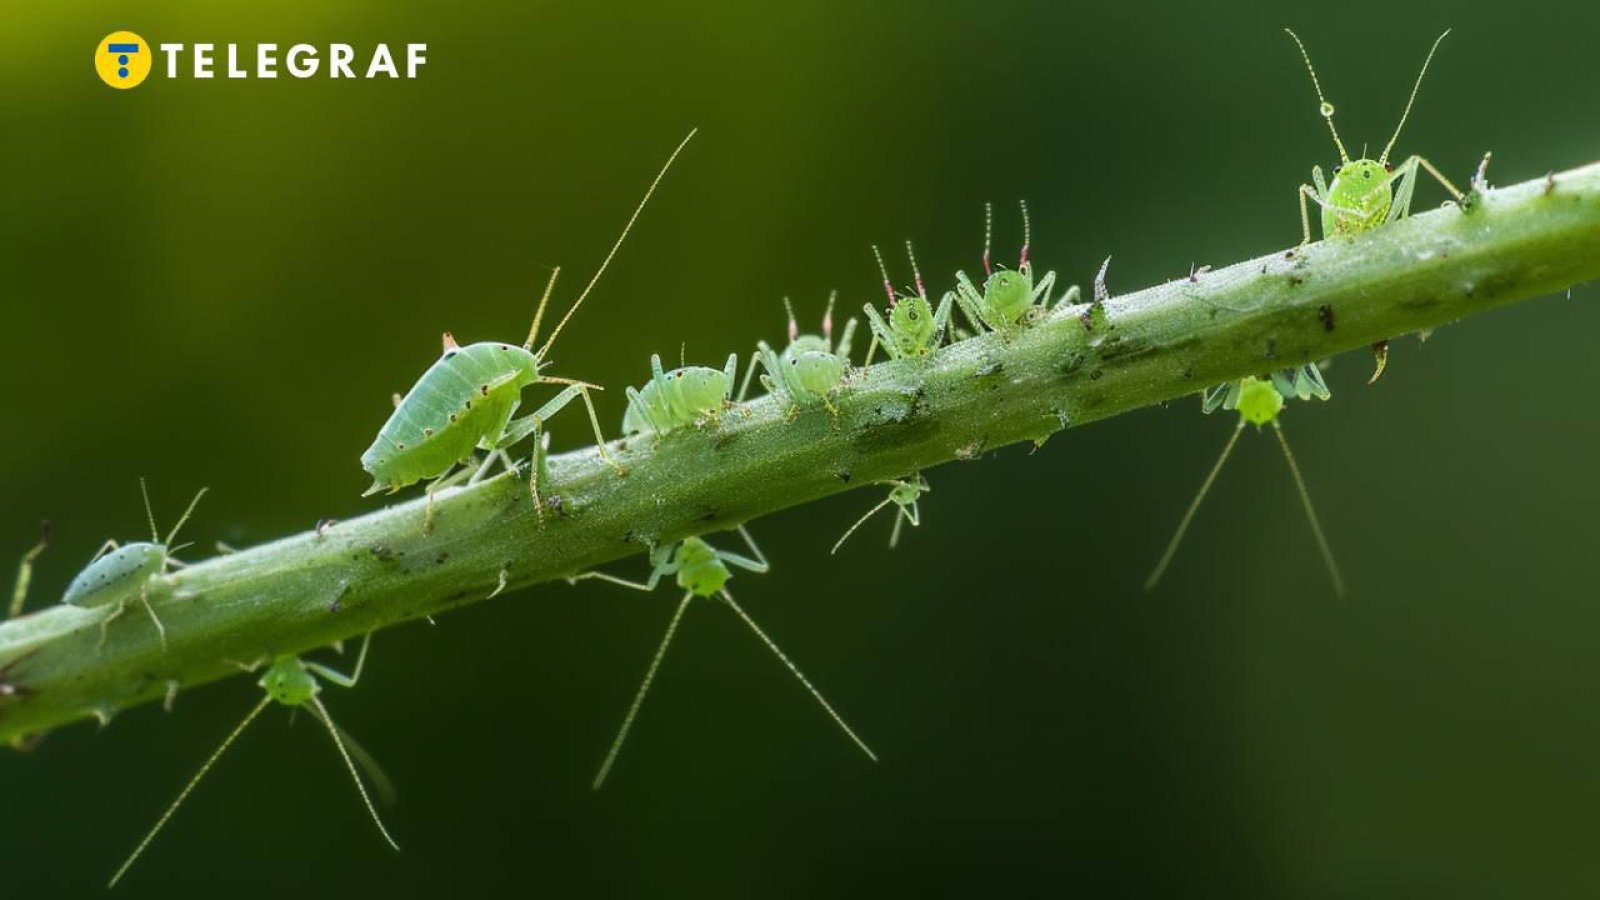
(895, 418)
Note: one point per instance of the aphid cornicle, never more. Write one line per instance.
(702, 570)
(291, 681)
(1258, 402)
(1365, 193)
(903, 493)
(687, 395)
(810, 368)
(914, 328)
(465, 401)
(120, 574)
(1009, 298)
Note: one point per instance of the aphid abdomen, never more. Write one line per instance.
(461, 403)
(119, 575)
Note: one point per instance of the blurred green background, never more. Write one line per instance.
(220, 283)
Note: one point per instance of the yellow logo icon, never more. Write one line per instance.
(122, 59)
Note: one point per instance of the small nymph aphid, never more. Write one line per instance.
(120, 574)
(292, 682)
(702, 571)
(687, 395)
(915, 328)
(811, 367)
(903, 493)
(1258, 402)
(1009, 298)
(465, 401)
(1365, 193)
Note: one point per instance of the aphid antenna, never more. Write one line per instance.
(916, 272)
(1194, 507)
(181, 519)
(638, 697)
(1311, 512)
(988, 233)
(888, 286)
(860, 522)
(149, 514)
(1326, 108)
(794, 324)
(1027, 233)
(538, 315)
(617, 245)
(187, 789)
(837, 719)
(1384, 159)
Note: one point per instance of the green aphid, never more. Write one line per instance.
(903, 493)
(1365, 193)
(687, 395)
(120, 574)
(1010, 299)
(915, 329)
(465, 401)
(811, 367)
(701, 570)
(292, 682)
(1258, 402)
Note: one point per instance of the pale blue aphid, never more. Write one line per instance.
(702, 571)
(810, 368)
(291, 681)
(687, 395)
(903, 493)
(129, 572)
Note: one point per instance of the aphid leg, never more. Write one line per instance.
(941, 318)
(1041, 292)
(970, 299)
(559, 402)
(1311, 513)
(832, 713)
(184, 794)
(335, 676)
(758, 565)
(908, 512)
(880, 335)
(105, 623)
(105, 548)
(19, 593)
(750, 370)
(161, 630)
(1307, 190)
(647, 585)
(638, 697)
(1404, 178)
(1194, 506)
(842, 349)
(320, 713)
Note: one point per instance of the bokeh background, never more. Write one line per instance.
(220, 283)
